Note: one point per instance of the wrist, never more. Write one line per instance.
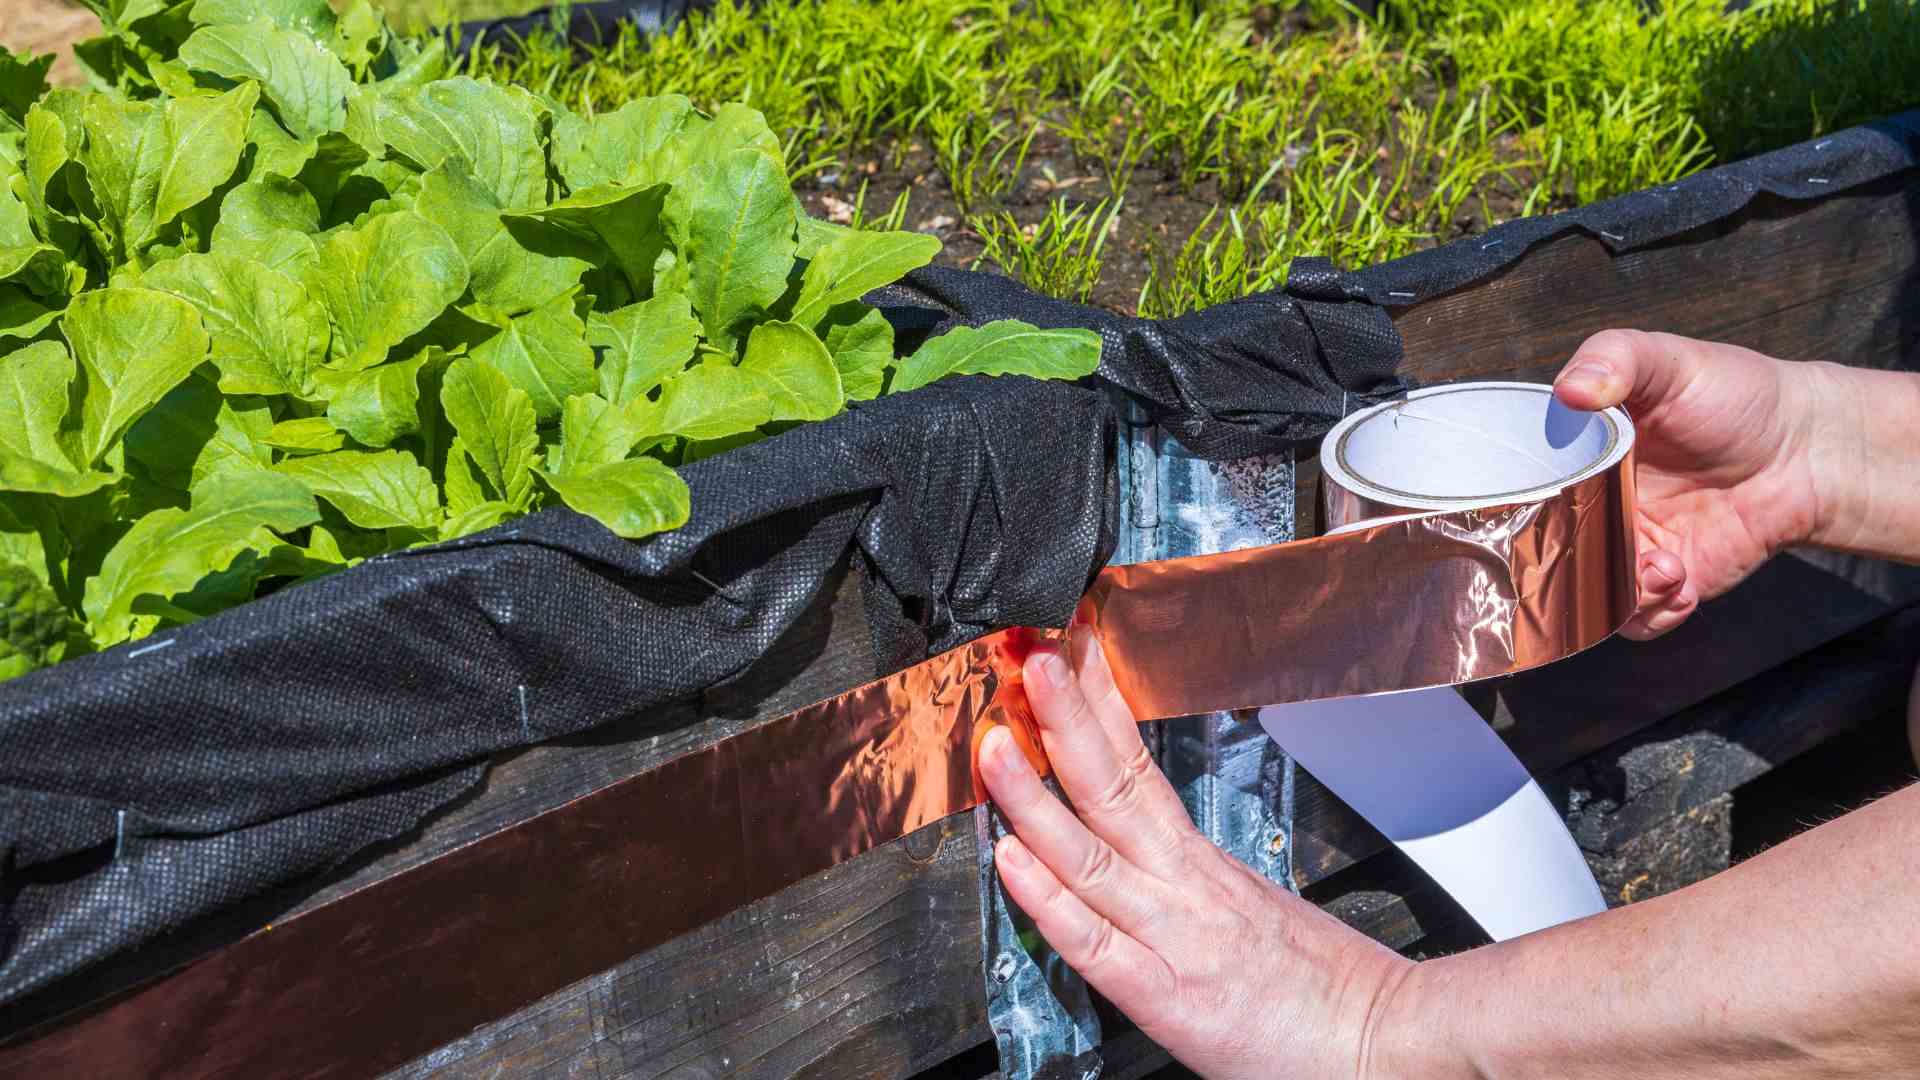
(1860, 440)
(1415, 1028)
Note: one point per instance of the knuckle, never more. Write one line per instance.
(1614, 343)
(1097, 949)
(1053, 894)
(1140, 763)
(1097, 866)
(1078, 713)
(1111, 701)
(1121, 794)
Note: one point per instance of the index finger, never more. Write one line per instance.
(1128, 805)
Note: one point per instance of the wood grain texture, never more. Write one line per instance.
(861, 970)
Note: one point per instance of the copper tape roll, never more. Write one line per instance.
(1444, 590)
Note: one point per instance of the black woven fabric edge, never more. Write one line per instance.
(156, 784)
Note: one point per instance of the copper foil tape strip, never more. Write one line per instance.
(384, 974)
(1434, 600)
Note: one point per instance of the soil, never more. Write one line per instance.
(48, 26)
(1154, 207)
(1157, 216)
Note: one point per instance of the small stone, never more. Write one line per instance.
(839, 211)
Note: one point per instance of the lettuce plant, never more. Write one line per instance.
(276, 295)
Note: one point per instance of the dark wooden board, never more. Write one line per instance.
(1829, 279)
(858, 971)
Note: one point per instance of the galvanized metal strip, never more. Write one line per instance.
(1235, 782)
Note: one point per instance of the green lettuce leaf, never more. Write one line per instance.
(36, 630)
(383, 282)
(304, 84)
(194, 433)
(1006, 347)
(385, 489)
(496, 429)
(644, 343)
(275, 151)
(133, 345)
(22, 80)
(855, 264)
(48, 152)
(861, 341)
(491, 131)
(33, 389)
(146, 164)
(624, 223)
(359, 35)
(707, 401)
(167, 552)
(544, 353)
(635, 145)
(380, 404)
(271, 220)
(634, 498)
(593, 433)
(268, 334)
(504, 273)
(22, 316)
(306, 435)
(732, 223)
(477, 518)
(308, 18)
(802, 381)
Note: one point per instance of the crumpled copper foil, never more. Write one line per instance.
(1431, 600)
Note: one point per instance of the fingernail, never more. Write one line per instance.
(1588, 377)
(1014, 853)
(1054, 669)
(1661, 575)
(1079, 640)
(994, 744)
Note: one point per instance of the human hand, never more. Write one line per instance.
(1725, 469)
(1230, 973)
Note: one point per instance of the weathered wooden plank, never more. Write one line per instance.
(862, 970)
(1766, 279)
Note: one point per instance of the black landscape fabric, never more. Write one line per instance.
(170, 779)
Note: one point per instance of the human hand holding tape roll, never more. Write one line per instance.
(1730, 442)
(1739, 456)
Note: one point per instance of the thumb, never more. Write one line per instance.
(1624, 367)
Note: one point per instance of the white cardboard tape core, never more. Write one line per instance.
(1422, 766)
